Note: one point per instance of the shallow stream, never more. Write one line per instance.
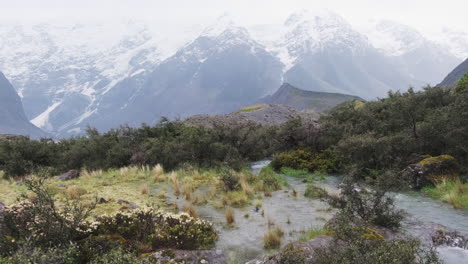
(296, 214)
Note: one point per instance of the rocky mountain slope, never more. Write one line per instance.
(454, 76)
(12, 117)
(104, 74)
(300, 99)
(264, 114)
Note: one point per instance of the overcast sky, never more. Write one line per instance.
(422, 14)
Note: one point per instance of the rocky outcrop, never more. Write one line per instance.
(443, 237)
(301, 250)
(70, 175)
(263, 114)
(301, 99)
(430, 170)
(190, 256)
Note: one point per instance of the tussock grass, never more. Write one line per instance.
(144, 189)
(272, 239)
(230, 216)
(175, 183)
(235, 199)
(187, 189)
(312, 233)
(189, 209)
(451, 191)
(74, 192)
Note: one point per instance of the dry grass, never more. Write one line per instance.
(213, 191)
(272, 239)
(187, 189)
(74, 192)
(235, 199)
(189, 209)
(124, 172)
(246, 188)
(158, 173)
(144, 189)
(175, 183)
(230, 216)
(161, 195)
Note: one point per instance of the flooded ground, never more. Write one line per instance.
(295, 214)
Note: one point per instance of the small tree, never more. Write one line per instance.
(462, 85)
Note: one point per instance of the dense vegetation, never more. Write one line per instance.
(392, 133)
(170, 144)
(37, 229)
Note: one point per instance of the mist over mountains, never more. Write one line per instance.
(107, 74)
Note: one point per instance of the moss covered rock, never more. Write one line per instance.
(431, 170)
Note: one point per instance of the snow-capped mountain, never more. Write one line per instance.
(423, 59)
(325, 53)
(109, 73)
(220, 71)
(62, 70)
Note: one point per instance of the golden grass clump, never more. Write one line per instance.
(175, 183)
(144, 189)
(74, 192)
(230, 216)
(161, 195)
(187, 189)
(246, 188)
(158, 173)
(189, 209)
(272, 239)
(235, 199)
(96, 173)
(212, 192)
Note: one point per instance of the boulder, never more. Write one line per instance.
(70, 175)
(127, 203)
(444, 237)
(2, 207)
(430, 170)
(190, 256)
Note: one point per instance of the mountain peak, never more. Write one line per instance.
(317, 16)
(220, 25)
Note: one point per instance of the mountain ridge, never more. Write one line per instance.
(454, 76)
(12, 117)
(303, 99)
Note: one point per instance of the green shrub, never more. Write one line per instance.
(41, 223)
(28, 253)
(272, 181)
(315, 192)
(155, 230)
(118, 256)
(462, 85)
(302, 173)
(95, 246)
(313, 233)
(292, 255)
(324, 162)
(373, 207)
(359, 243)
(230, 180)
